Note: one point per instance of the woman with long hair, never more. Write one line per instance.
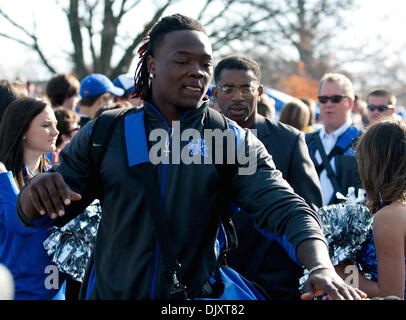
(27, 133)
(381, 156)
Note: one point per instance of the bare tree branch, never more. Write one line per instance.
(88, 25)
(107, 37)
(77, 40)
(221, 13)
(236, 25)
(124, 11)
(65, 10)
(203, 10)
(237, 30)
(29, 45)
(35, 45)
(15, 24)
(122, 66)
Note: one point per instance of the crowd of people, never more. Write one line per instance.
(152, 213)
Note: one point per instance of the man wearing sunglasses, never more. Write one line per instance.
(381, 104)
(331, 147)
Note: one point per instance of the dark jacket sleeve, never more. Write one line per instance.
(267, 198)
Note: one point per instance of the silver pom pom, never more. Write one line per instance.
(71, 245)
(345, 226)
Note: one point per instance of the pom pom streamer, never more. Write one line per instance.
(71, 245)
(346, 227)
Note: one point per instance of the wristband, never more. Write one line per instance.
(318, 267)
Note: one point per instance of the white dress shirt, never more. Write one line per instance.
(329, 140)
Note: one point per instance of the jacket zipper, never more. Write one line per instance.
(162, 194)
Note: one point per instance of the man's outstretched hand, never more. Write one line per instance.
(46, 193)
(327, 281)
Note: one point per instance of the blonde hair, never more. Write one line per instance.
(342, 80)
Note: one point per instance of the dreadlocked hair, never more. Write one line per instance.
(152, 40)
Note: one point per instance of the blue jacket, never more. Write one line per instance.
(21, 249)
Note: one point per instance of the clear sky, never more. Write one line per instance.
(376, 23)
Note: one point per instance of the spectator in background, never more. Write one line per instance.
(68, 126)
(266, 107)
(27, 132)
(359, 113)
(96, 91)
(332, 147)
(381, 155)
(10, 91)
(311, 104)
(237, 92)
(126, 82)
(381, 104)
(296, 114)
(63, 90)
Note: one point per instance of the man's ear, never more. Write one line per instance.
(214, 92)
(350, 103)
(151, 63)
(260, 90)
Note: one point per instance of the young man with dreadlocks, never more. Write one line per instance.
(174, 73)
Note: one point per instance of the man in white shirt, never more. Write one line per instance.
(334, 142)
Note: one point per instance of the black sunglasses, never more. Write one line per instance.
(334, 99)
(380, 108)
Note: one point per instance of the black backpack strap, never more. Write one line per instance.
(172, 265)
(101, 134)
(326, 163)
(312, 146)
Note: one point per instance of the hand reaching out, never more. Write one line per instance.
(329, 282)
(47, 192)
